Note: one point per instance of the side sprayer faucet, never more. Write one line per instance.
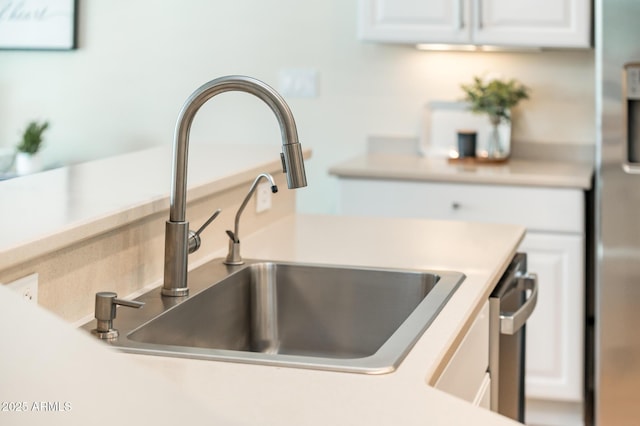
(177, 243)
(234, 257)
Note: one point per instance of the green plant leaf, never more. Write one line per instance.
(495, 97)
(31, 141)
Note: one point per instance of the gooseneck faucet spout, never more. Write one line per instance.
(177, 228)
(233, 257)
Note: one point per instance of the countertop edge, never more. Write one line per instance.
(416, 168)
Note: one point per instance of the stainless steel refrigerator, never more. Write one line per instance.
(616, 307)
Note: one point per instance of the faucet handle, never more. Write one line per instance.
(194, 237)
(105, 312)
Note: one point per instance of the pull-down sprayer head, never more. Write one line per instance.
(292, 161)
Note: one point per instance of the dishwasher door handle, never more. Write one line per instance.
(511, 322)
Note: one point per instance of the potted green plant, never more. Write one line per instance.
(28, 156)
(495, 97)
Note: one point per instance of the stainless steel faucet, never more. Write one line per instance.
(233, 256)
(177, 228)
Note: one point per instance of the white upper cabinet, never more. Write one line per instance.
(545, 23)
(510, 23)
(414, 21)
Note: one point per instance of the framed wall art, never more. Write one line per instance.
(38, 24)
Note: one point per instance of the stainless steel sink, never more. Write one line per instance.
(298, 315)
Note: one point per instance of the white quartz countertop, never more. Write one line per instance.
(49, 210)
(512, 172)
(50, 374)
(83, 372)
(82, 381)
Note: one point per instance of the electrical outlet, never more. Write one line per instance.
(27, 287)
(263, 197)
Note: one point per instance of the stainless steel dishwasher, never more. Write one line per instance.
(510, 305)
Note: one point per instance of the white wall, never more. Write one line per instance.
(138, 60)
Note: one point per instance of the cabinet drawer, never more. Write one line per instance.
(536, 208)
(465, 374)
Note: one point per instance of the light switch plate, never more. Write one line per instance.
(298, 82)
(27, 287)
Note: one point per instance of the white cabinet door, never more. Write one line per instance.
(548, 23)
(555, 348)
(521, 23)
(414, 21)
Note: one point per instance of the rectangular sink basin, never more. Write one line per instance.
(351, 319)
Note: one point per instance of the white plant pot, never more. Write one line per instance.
(28, 163)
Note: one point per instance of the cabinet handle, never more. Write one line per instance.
(455, 205)
(460, 14)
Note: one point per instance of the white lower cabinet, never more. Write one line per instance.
(555, 246)
(555, 330)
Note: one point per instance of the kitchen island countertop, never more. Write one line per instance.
(46, 361)
(230, 393)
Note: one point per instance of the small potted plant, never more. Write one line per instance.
(28, 157)
(495, 97)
